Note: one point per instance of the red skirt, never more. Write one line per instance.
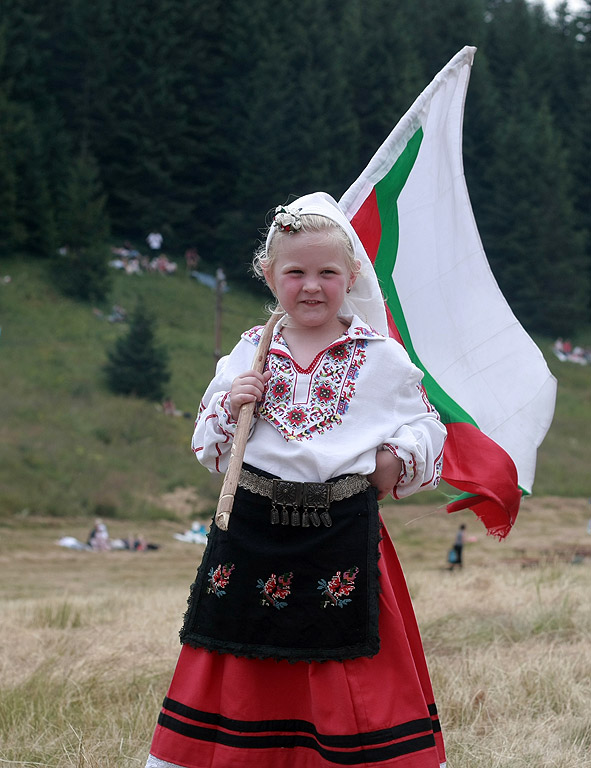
(227, 712)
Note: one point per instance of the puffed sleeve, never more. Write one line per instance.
(419, 439)
(215, 427)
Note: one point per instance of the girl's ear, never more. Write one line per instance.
(354, 273)
(268, 275)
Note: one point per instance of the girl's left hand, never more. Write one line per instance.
(386, 474)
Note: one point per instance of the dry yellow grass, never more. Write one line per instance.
(89, 640)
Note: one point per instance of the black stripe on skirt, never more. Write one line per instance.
(373, 746)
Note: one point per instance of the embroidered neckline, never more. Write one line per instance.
(357, 330)
(286, 353)
(300, 407)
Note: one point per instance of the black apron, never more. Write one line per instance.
(283, 592)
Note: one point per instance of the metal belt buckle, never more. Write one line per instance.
(286, 493)
(317, 495)
(288, 496)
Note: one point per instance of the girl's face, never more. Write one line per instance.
(310, 276)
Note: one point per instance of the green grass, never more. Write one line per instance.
(68, 447)
(564, 458)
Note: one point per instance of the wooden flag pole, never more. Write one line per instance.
(226, 500)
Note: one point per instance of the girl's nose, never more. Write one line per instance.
(311, 284)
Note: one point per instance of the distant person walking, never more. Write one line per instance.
(455, 555)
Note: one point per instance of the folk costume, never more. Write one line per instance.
(300, 645)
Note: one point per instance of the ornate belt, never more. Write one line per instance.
(302, 504)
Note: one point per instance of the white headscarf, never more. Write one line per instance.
(365, 298)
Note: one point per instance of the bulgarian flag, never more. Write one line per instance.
(483, 373)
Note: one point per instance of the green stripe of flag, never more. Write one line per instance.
(387, 192)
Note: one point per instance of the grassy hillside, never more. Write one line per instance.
(564, 459)
(69, 447)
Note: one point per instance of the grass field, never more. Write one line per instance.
(90, 639)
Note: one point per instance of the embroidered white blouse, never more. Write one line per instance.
(361, 394)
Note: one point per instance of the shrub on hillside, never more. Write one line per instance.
(81, 273)
(136, 365)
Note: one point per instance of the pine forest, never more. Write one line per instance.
(197, 117)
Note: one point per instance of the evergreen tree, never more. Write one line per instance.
(579, 135)
(150, 151)
(250, 106)
(533, 244)
(81, 268)
(28, 215)
(136, 366)
(296, 131)
(35, 215)
(8, 180)
(519, 35)
(31, 132)
(439, 30)
(483, 116)
(385, 73)
(325, 117)
(212, 129)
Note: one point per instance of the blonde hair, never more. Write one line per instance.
(264, 257)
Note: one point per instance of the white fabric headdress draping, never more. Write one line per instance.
(365, 298)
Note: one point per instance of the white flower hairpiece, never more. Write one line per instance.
(287, 219)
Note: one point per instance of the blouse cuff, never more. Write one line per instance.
(408, 472)
(224, 414)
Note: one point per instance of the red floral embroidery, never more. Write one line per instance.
(359, 330)
(280, 389)
(324, 393)
(219, 578)
(254, 334)
(296, 416)
(339, 353)
(275, 589)
(337, 589)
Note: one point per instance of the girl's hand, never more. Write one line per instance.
(386, 474)
(248, 387)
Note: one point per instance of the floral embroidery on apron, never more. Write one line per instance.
(275, 589)
(336, 590)
(219, 578)
(285, 582)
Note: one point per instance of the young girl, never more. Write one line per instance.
(300, 646)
